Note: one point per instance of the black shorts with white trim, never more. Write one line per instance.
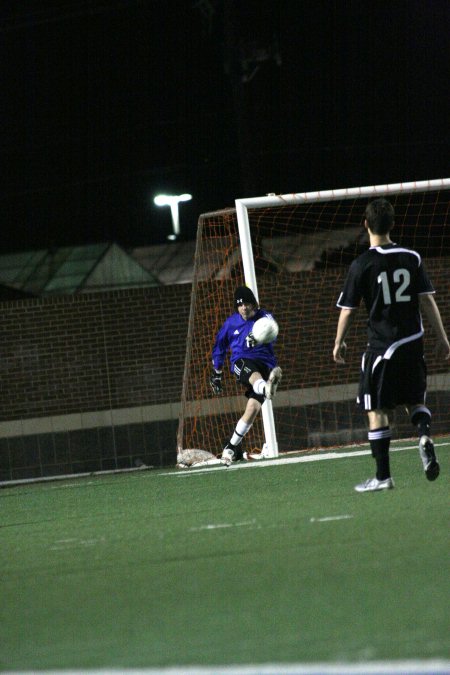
(243, 370)
(399, 380)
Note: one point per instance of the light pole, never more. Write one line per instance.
(173, 201)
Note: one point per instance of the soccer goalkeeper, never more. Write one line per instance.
(254, 365)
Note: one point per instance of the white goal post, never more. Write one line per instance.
(242, 207)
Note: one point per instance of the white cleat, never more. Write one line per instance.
(428, 457)
(373, 484)
(273, 382)
(227, 457)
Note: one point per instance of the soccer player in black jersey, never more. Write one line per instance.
(395, 288)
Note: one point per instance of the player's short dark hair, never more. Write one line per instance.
(242, 295)
(380, 216)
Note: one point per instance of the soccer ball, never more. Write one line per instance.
(265, 330)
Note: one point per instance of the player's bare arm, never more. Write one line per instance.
(345, 321)
(429, 307)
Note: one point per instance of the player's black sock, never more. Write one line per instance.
(421, 418)
(380, 440)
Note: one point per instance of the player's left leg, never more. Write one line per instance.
(380, 439)
(375, 396)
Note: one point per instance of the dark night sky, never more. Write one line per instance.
(106, 103)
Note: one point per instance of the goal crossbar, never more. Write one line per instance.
(343, 193)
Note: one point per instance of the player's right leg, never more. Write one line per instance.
(421, 418)
(428, 457)
(414, 383)
(265, 383)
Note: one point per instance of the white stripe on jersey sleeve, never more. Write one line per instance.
(343, 306)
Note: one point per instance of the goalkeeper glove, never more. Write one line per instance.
(216, 381)
(250, 340)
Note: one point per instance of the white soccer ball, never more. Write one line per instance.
(265, 330)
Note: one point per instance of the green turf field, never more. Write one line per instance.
(275, 564)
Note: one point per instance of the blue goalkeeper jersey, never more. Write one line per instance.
(231, 337)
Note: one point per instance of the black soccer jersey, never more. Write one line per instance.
(389, 279)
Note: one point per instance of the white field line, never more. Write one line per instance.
(193, 471)
(284, 460)
(65, 544)
(220, 526)
(409, 667)
(251, 523)
(326, 519)
(68, 476)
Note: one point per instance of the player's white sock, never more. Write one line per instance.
(259, 386)
(241, 429)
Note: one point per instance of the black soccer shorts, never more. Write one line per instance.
(243, 369)
(400, 380)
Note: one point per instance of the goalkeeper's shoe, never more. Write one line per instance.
(230, 454)
(273, 382)
(428, 457)
(373, 484)
(227, 456)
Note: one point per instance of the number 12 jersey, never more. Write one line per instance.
(390, 280)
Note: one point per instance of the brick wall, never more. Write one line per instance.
(65, 359)
(88, 352)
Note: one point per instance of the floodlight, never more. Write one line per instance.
(173, 201)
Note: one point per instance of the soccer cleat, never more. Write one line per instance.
(373, 484)
(231, 453)
(428, 457)
(227, 456)
(273, 382)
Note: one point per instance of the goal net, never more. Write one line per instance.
(302, 246)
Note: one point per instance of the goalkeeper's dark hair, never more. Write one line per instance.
(380, 216)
